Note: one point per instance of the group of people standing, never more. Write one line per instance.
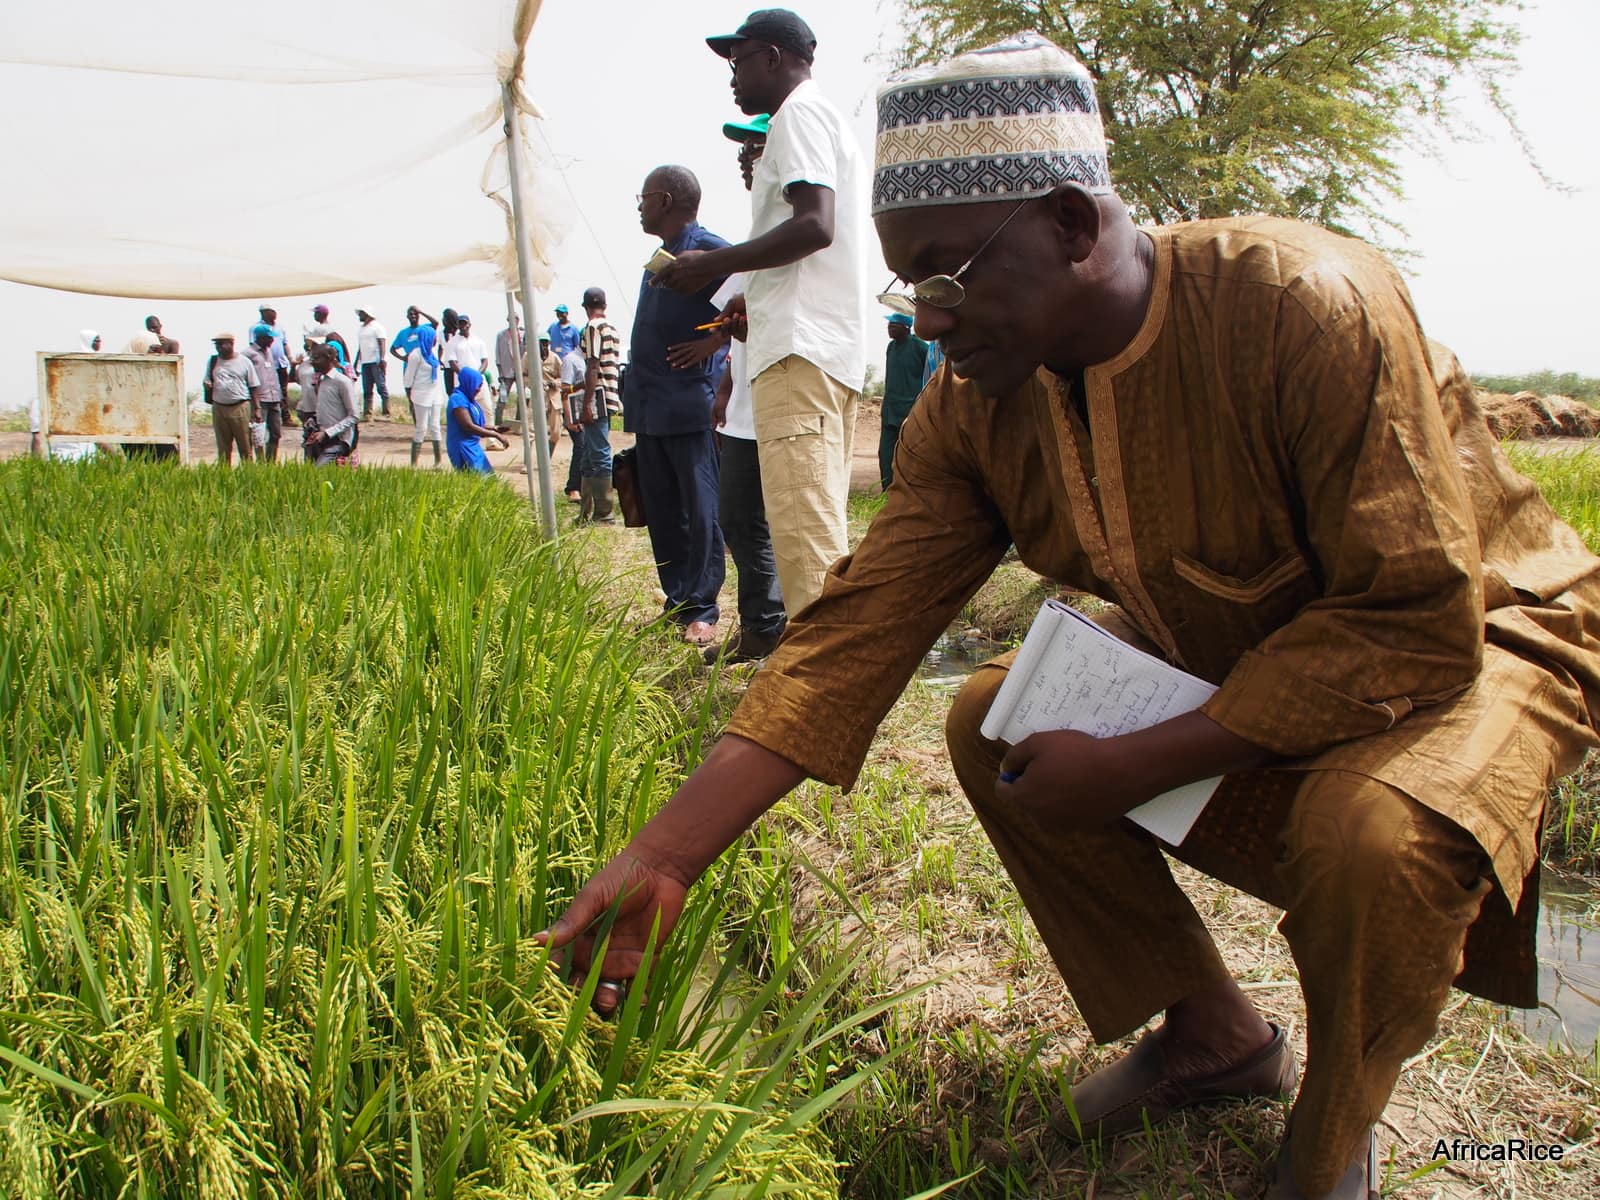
(747, 360)
(445, 370)
(445, 367)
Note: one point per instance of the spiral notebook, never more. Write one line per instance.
(1071, 674)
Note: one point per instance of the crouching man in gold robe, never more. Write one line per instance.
(1237, 433)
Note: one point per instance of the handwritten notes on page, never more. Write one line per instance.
(1071, 674)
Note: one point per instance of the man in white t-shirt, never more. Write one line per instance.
(372, 341)
(466, 349)
(741, 508)
(318, 326)
(807, 295)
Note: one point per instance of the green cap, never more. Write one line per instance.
(738, 131)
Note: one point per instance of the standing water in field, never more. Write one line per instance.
(1569, 964)
(954, 657)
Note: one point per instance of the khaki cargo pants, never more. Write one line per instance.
(805, 421)
(231, 424)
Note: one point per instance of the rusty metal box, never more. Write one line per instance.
(131, 398)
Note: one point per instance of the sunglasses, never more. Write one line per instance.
(735, 60)
(940, 291)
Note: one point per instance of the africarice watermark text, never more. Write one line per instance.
(1510, 1150)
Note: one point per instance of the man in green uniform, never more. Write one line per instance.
(902, 380)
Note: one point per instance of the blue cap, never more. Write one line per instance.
(561, 308)
(899, 319)
(263, 328)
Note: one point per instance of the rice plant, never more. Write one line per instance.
(1569, 479)
(295, 765)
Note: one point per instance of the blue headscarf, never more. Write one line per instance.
(468, 382)
(426, 337)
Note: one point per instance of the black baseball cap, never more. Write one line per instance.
(776, 26)
(594, 297)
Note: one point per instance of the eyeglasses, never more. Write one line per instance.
(639, 196)
(940, 291)
(896, 301)
(735, 60)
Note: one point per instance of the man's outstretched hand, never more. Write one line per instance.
(646, 884)
(687, 273)
(643, 891)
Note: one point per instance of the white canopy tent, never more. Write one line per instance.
(289, 149)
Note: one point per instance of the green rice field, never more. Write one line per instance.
(297, 763)
(294, 766)
(1569, 479)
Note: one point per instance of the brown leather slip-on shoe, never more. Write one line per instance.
(1119, 1097)
(1359, 1182)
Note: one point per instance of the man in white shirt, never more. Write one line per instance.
(465, 349)
(741, 509)
(807, 297)
(318, 326)
(372, 340)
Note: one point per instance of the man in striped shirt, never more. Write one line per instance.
(602, 352)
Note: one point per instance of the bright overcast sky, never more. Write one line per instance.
(1504, 269)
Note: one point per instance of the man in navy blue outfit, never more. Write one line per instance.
(670, 409)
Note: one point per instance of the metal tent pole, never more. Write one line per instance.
(519, 222)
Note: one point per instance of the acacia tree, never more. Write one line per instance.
(1220, 107)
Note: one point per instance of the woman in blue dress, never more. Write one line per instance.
(466, 429)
